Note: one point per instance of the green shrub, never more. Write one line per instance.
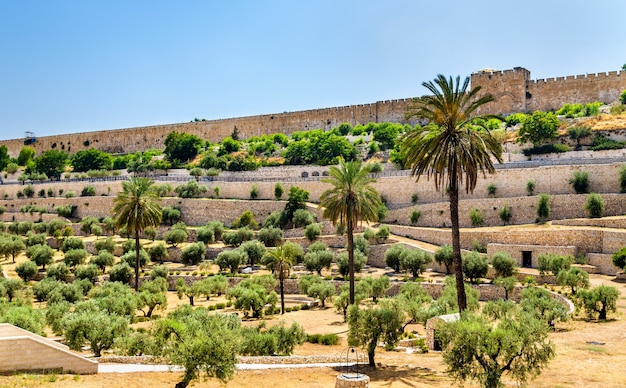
(254, 192)
(503, 264)
(27, 270)
(58, 272)
(246, 219)
(88, 191)
(193, 253)
(382, 233)
(205, 234)
(191, 189)
(301, 218)
(65, 210)
(392, 256)
(271, 237)
(622, 178)
(415, 217)
(121, 272)
(515, 118)
(475, 266)
(476, 217)
(278, 190)
(175, 236)
(601, 142)
(619, 258)
(130, 258)
(313, 231)
(28, 191)
(594, 205)
(325, 339)
(543, 206)
(505, 214)
(530, 187)
(479, 246)
(492, 189)
(546, 149)
(580, 182)
(374, 167)
(381, 212)
(359, 261)
(550, 262)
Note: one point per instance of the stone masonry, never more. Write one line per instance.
(514, 91)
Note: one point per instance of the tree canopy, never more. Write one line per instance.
(182, 147)
(452, 148)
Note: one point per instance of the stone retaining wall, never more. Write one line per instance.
(515, 251)
(587, 240)
(398, 191)
(21, 350)
(604, 263)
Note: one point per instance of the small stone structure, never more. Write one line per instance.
(21, 350)
(431, 329)
(352, 380)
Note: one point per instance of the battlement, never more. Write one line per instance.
(592, 77)
(513, 93)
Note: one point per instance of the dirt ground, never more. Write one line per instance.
(589, 354)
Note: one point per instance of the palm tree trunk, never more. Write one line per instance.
(137, 251)
(282, 290)
(350, 231)
(456, 244)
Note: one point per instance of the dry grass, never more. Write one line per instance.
(580, 360)
(578, 363)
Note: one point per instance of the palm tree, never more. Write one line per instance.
(452, 148)
(350, 200)
(279, 260)
(136, 208)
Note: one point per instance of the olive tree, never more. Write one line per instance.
(199, 342)
(368, 326)
(479, 348)
(598, 301)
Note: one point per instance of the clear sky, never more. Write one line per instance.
(83, 65)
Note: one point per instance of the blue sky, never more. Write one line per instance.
(74, 65)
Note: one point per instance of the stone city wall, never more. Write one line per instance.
(513, 90)
(130, 140)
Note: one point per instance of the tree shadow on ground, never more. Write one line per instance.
(410, 376)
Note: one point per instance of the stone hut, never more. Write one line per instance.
(431, 329)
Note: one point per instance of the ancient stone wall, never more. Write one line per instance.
(138, 139)
(513, 90)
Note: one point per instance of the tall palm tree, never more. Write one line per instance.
(135, 208)
(279, 260)
(452, 148)
(351, 199)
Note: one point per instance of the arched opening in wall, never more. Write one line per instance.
(505, 103)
